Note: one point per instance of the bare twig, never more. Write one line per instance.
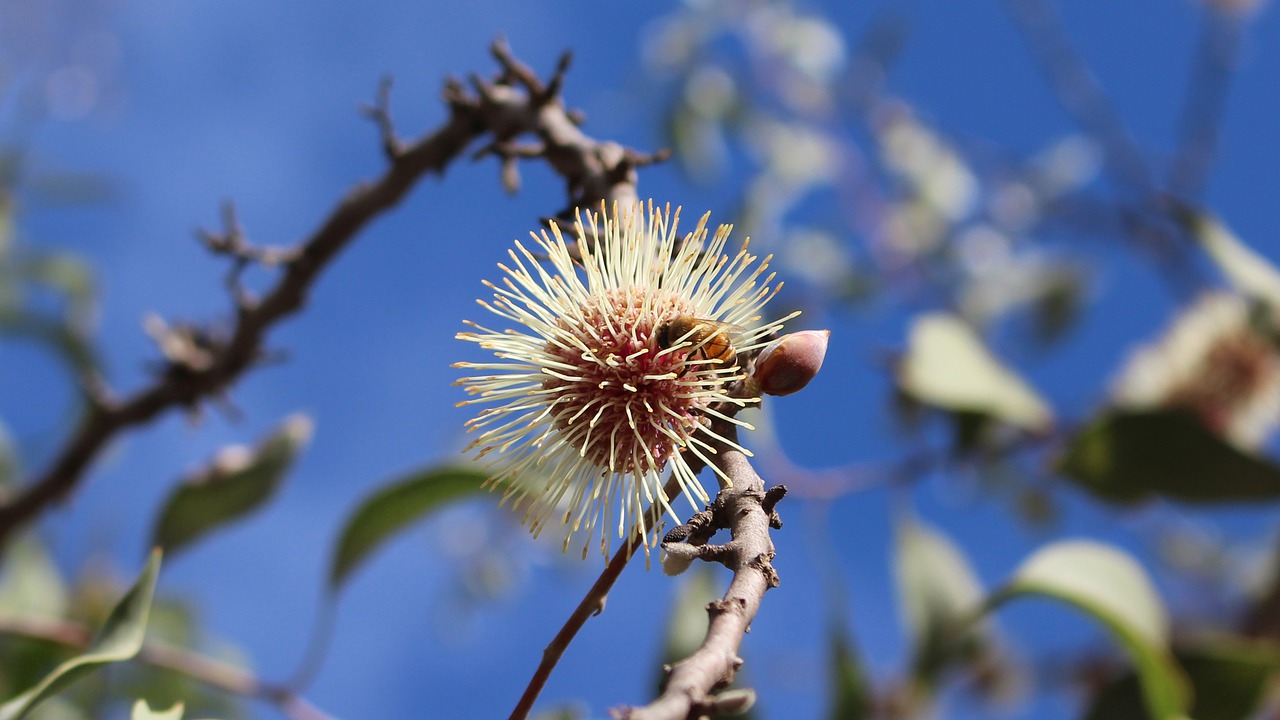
(747, 510)
(214, 673)
(592, 604)
(517, 103)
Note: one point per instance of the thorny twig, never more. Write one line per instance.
(516, 103)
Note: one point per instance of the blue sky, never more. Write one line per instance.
(256, 103)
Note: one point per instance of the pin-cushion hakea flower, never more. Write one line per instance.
(1219, 361)
(600, 392)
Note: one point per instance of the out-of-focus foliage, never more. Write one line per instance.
(1125, 456)
(941, 598)
(395, 507)
(1228, 678)
(119, 639)
(235, 483)
(1111, 587)
(870, 202)
(948, 366)
(851, 695)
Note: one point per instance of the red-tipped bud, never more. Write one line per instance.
(787, 364)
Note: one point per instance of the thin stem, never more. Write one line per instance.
(1205, 103)
(592, 604)
(214, 673)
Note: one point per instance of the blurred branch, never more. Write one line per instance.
(1078, 90)
(214, 673)
(514, 104)
(1205, 102)
(746, 510)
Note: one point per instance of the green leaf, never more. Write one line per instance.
(1125, 456)
(688, 621)
(395, 507)
(119, 639)
(66, 274)
(8, 458)
(939, 594)
(852, 696)
(31, 585)
(1229, 676)
(1250, 273)
(237, 482)
(948, 366)
(54, 334)
(143, 711)
(1111, 587)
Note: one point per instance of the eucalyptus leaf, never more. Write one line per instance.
(939, 593)
(852, 697)
(395, 507)
(143, 711)
(1111, 587)
(948, 366)
(237, 482)
(687, 624)
(1128, 455)
(8, 458)
(66, 274)
(31, 585)
(55, 334)
(1248, 271)
(119, 639)
(1229, 676)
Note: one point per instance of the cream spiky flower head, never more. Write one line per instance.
(594, 407)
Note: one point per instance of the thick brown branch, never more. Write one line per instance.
(517, 104)
(214, 673)
(692, 684)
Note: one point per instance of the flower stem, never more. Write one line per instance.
(592, 604)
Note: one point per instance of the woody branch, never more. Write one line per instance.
(200, 364)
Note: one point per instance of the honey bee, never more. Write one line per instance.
(709, 339)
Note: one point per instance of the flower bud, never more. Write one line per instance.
(790, 362)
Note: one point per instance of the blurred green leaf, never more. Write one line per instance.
(143, 711)
(119, 639)
(948, 366)
(395, 507)
(237, 482)
(1250, 273)
(687, 624)
(8, 458)
(1111, 587)
(939, 594)
(70, 345)
(67, 275)
(564, 712)
(1229, 678)
(31, 584)
(1124, 456)
(851, 693)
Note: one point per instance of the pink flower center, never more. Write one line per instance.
(627, 405)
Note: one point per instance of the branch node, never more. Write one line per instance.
(380, 113)
(557, 79)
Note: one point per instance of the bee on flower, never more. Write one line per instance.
(620, 351)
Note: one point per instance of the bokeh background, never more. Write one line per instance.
(131, 123)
